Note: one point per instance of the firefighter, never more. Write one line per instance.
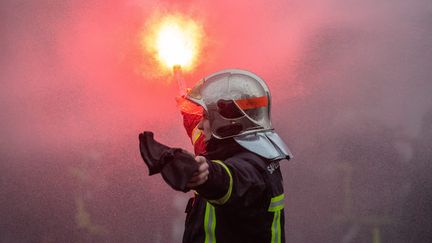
(238, 189)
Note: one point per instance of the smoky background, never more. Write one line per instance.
(350, 82)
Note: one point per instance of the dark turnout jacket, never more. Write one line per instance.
(242, 200)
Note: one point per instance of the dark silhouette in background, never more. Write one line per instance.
(416, 223)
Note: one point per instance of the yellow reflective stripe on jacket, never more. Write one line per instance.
(210, 224)
(276, 206)
(276, 203)
(276, 228)
(225, 198)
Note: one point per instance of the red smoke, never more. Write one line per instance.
(76, 89)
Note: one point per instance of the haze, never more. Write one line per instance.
(351, 87)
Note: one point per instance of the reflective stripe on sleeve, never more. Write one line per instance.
(276, 206)
(276, 228)
(276, 203)
(225, 198)
(210, 224)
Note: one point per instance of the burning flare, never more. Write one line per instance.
(176, 41)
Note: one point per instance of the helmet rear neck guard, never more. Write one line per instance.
(266, 144)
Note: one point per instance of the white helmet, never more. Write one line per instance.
(237, 103)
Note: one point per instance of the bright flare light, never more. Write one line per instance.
(176, 41)
(174, 46)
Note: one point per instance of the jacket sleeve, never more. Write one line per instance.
(235, 180)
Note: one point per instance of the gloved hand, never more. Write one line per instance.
(176, 165)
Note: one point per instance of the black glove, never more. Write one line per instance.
(176, 166)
